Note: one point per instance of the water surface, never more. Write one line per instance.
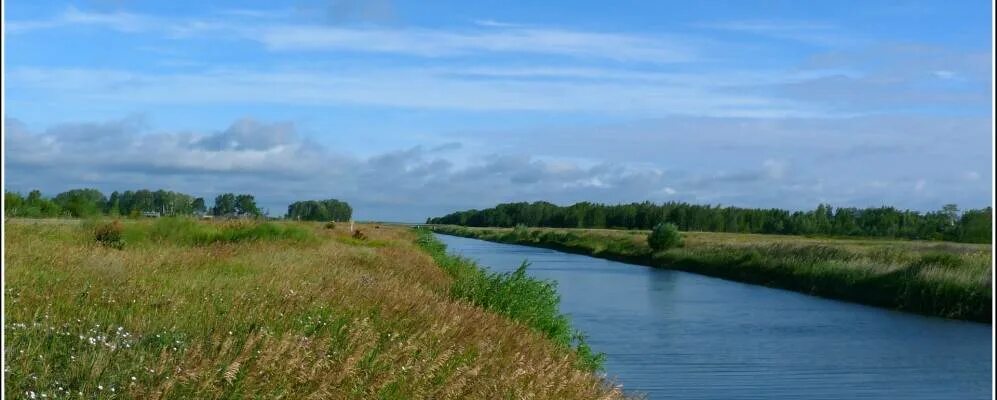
(672, 334)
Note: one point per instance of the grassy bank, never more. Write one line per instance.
(188, 309)
(934, 278)
(516, 295)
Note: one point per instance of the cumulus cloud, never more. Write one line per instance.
(271, 160)
(730, 161)
(250, 134)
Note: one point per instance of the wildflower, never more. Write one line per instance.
(100, 387)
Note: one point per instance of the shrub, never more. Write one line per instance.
(358, 235)
(664, 236)
(521, 231)
(330, 225)
(109, 234)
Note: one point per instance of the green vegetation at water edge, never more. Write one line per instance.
(935, 278)
(970, 226)
(529, 300)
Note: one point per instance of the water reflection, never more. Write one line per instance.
(677, 335)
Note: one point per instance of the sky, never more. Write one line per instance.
(410, 109)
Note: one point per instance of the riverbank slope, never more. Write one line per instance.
(178, 308)
(951, 280)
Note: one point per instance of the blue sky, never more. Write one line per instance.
(408, 109)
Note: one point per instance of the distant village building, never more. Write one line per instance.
(151, 214)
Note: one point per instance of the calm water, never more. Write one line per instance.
(673, 334)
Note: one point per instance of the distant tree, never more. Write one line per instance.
(199, 206)
(947, 223)
(13, 203)
(81, 202)
(976, 226)
(224, 204)
(113, 206)
(36, 206)
(34, 197)
(246, 204)
(664, 236)
(320, 210)
(143, 200)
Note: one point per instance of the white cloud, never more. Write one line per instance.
(273, 161)
(280, 36)
(278, 166)
(810, 32)
(436, 88)
(436, 43)
(943, 74)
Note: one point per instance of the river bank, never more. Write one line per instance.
(933, 278)
(177, 308)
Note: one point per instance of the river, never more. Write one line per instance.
(673, 334)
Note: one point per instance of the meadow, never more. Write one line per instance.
(178, 308)
(945, 279)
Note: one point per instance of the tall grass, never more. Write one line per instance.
(188, 309)
(192, 232)
(941, 279)
(522, 298)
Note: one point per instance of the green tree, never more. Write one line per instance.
(81, 203)
(664, 236)
(224, 204)
(13, 204)
(113, 206)
(199, 206)
(246, 204)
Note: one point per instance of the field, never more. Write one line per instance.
(177, 308)
(944, 279)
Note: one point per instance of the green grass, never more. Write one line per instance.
(531, 301)
(943, 279)
(218, 310)
(191, 232)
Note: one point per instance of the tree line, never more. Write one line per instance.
(972, 226)
(85, 203)
(320, 210)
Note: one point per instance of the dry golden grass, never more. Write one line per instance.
(331, 317)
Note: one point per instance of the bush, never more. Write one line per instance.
(330, 225)
(521, 231)
(664, 236)
(358, 235)
(109, 234)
